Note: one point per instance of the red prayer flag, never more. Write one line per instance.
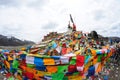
(29, 75)
(80, 60)
(72, 68)
(64, 51)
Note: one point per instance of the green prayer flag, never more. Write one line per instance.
(100, 57)
(65, 78)
(15, 64)
(76, 73)
(73, 60)
(20, 71)
(10, 78)
(46, 56)
(105, 54)
(108, 60)
(30, 65)
(62, 69)
(57, 76)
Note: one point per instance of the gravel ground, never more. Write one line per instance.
(1, 77)
(115, 74)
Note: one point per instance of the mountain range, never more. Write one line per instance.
(13, 41)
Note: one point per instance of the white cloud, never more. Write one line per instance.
(25, 19)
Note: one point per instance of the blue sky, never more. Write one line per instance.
(32, 19)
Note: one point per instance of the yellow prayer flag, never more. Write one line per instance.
(9, 58)
(93, 52)
(7, 64)
(75, 77)
(99, 68)
(49, 61)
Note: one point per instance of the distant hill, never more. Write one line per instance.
(116, 39)
(12, 41)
